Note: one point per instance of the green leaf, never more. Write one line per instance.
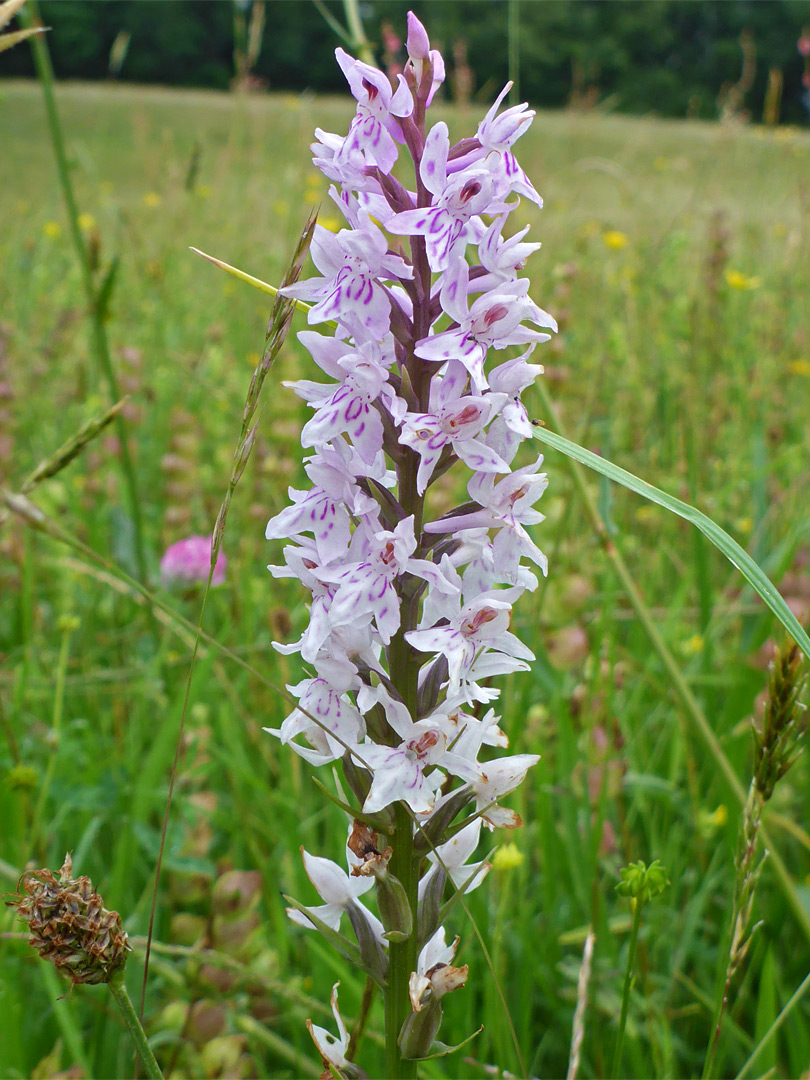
(767, 1009)
(756, 578)
(106, 288)
(439, 1049)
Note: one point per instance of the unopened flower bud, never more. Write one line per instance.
(417, 42)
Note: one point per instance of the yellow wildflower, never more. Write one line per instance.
(693, 645)
(151, 198)
(52, 229)
(330, 223)
(799, 367)
(737, 280)
(507, 857)
(87, 222)
(614, 240)
(709, 821)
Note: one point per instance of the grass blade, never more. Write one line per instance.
(772, 1030)
(679, 683)
(753, 574)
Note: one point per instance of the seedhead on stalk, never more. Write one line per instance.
(69, 925)
(776, 739)
(776, 747)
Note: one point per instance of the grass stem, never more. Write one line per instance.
(68, 627)
(101, 348)
(772, 1030)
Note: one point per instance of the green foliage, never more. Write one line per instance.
(683, 356)
(667, 57)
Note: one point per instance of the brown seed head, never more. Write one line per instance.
(69, 925)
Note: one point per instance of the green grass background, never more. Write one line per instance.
(677, 259)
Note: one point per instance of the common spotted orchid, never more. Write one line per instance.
(410, 608)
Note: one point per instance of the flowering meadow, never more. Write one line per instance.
(510, 797)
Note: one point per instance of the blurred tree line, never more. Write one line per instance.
(669, 57)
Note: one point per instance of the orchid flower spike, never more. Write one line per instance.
(422, 330)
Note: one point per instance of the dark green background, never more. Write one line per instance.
(645, 56)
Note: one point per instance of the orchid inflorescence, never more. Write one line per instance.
(410, 611)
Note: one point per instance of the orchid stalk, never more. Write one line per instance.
(410, 609)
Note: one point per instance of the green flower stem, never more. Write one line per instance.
(122, 1000)
(42, 61)
(404, 672)
(404, 676)
(628, 980)
(402, 955)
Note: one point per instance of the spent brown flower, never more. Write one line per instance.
(69, 925)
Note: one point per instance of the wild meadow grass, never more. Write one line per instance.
(677, 259)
